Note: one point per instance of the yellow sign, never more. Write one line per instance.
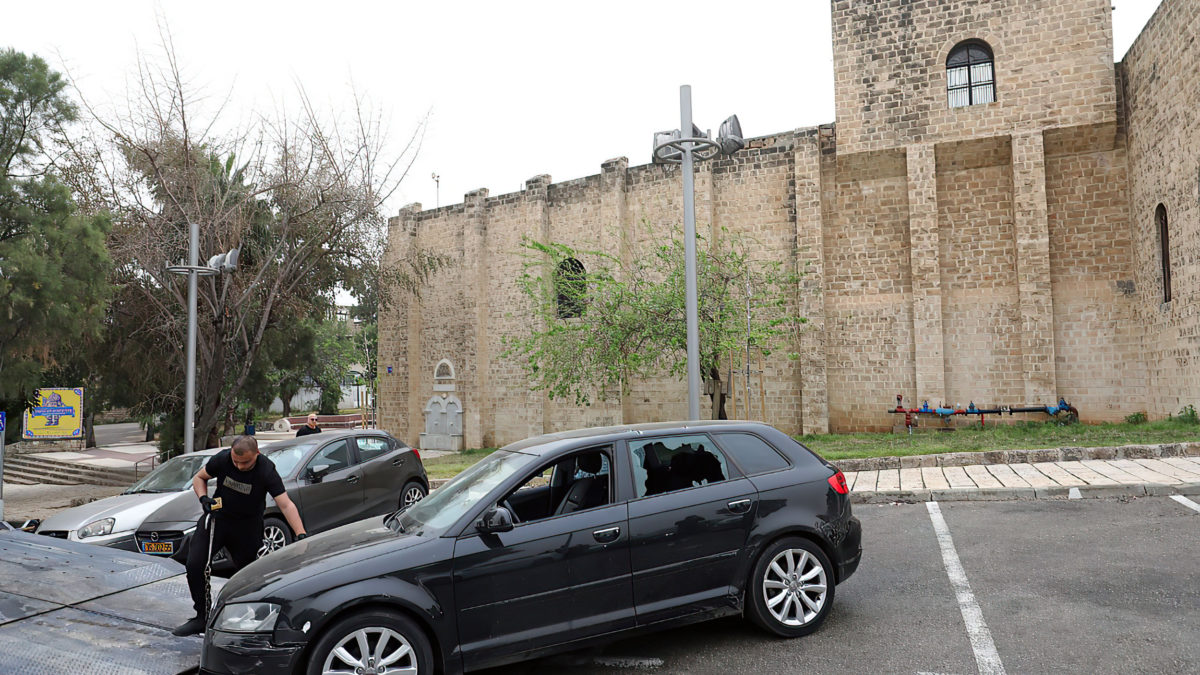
(56, 413)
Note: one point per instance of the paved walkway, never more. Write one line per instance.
(1165, 475)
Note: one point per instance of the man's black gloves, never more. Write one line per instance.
(206, 503)
(301, 536)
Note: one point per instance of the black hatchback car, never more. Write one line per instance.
(551, 544)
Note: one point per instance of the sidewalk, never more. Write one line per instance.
(1041, 480)
(114, 456)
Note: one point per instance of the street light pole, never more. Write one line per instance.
(689, 257)
(189, 410)
(226, 262)
(683, 146)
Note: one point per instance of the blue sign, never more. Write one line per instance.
(389, 370)
(52, 413)
(2, 420)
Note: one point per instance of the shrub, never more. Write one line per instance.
(1136, 418)
(1188, 415)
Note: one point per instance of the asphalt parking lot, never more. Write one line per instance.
(1078, 586)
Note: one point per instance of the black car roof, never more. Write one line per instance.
(538, 445)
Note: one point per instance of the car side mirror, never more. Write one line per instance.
(495, 519)
(316, 473)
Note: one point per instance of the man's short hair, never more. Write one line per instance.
(244, 444)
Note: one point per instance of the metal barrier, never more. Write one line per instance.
(153, 459)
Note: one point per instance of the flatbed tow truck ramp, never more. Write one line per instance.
(67, 607)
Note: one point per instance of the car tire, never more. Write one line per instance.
(791, 588)
(373, 626)
(411, 493)
(276, 535)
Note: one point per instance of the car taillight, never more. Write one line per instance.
(417, 452)
(838, 482)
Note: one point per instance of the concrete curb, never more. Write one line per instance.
(1067, 454)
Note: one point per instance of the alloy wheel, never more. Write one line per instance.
(413, 495)
(371, 651)
(794, 587)
(273, 540)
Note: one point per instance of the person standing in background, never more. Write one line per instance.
(310, 428)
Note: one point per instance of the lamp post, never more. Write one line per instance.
(673, 147)
(225, 262)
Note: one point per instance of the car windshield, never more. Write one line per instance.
(286, 459)
(445, 505)
(173, 476)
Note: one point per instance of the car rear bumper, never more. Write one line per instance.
(849, 550)
(238, 653)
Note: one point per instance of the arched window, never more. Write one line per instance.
(570, 283)
(970, 77)
(1164, 243)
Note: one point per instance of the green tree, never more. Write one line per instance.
(306, 352)
(282, 369)
(53, 262)
(335, 355)
(300, 197)
(633, 323)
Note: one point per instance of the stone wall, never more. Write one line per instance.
(1099, 365)
(868, 288)
(1161, 77)
(981, 307)
(1001, 253)
(1053, 62)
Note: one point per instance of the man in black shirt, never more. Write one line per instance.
(310, 428)
(244, 479)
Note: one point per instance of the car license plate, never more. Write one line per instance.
(158, 547)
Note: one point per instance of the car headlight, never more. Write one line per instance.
(97, 528)
(248, 617)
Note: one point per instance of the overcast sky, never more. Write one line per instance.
(512, 89)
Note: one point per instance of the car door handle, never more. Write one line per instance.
(740, 505)
(607, 536)
(352, 479)
(398, 461)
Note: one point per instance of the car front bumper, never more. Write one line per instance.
(121, 540)
(239, 653)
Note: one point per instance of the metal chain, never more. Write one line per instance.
(208, 571)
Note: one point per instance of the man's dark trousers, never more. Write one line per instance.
(241, 539)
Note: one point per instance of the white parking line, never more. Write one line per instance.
(986, 656)
(1186, 502)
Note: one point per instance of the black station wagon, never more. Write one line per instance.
(551, 544)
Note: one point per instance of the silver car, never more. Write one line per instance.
(334, 478)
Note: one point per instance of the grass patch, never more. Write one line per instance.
(1016, 436)
(449, 466)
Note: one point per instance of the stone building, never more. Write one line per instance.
(999, 214)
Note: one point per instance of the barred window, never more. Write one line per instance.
(571, 287)
(1164, 243)
(970, 76)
